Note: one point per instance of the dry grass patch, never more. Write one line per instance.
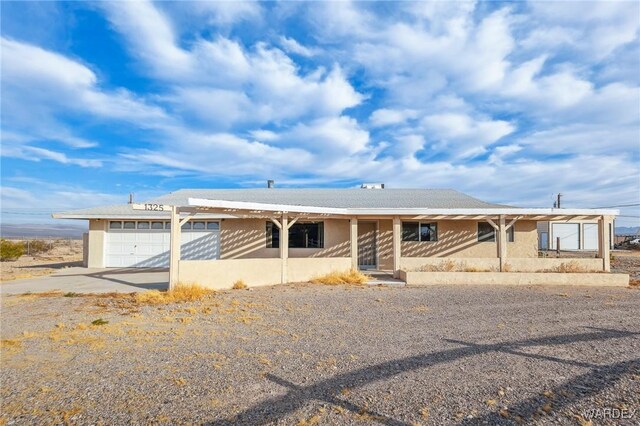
(181, 293)
(10, 345)
(444, 266)
(569, 267)
(352, 276)
(239, 285)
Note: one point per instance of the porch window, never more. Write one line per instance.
(487, 233)
(419, 231)
(301, 235)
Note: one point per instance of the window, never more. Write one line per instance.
(301, 235)
(186, 226)
(306, 235)
(487, 233)
(143, 225)
(273, 235)
(115, 225)
(198, 226)
(157, 225)
(417, 231)
(129, 225)
(167, 225)
(213, 226)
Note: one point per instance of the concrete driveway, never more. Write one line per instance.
(92, 280)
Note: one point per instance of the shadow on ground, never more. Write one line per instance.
(599, 378)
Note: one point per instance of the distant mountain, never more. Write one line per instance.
(34, 230)
(627, 230)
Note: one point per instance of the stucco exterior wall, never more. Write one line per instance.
(514, 278)
(527, 264)
(247, 238)
(459, 239)
(221, 274)
(96, 244)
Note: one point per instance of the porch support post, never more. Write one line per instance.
(397, 229)
(284, 247)
(603, 243)
(502, 243)
(174, 248)
(354, 242)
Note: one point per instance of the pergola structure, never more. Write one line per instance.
(284, 216)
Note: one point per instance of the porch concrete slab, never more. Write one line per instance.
(383, 278)
(92, 280)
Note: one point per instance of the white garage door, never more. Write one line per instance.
(569, 234)
(144, 244)
(590, 236)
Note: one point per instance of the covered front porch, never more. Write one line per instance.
(373, 239)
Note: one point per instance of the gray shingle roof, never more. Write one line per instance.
(339, 198)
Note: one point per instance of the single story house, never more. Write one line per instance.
(273, 235)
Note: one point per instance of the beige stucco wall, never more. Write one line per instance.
(247, 238)
(526, 264)
(304, 269)
(222, 274)
(96, 245)
(459, 239)
(514, 278)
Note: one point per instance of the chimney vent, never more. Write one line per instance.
(131, 198)
(372, 186)
(270, 183)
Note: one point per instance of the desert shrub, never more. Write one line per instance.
(569, 267)
(341, 277)
(38, 246)
(444, 266)
(99, 321)
(239, 285)
(475, 269)
(10, 250)
(181, 293)
(71, 294)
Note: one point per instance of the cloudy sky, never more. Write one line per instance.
(509, 102)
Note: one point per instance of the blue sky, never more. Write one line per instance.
(509, 102)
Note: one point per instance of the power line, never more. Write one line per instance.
(619, 205)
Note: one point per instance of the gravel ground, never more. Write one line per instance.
(627, 262)
(305, 354)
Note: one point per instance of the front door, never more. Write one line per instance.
(367, 240)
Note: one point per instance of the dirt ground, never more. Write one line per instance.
(311, 354)
(628, 262)
(63, 254)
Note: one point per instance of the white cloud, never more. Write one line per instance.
(330, 136)
(463, 135)
(290, 45)
(385, 116)
(500, 153)
(258, 85)
(32, 153)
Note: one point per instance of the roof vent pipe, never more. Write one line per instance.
(372, 186)
(131, 198)
(270, 183)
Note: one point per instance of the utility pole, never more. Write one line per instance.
(558, 202)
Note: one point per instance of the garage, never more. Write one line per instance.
(590, 235)
(145, 244)
(569, 234)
